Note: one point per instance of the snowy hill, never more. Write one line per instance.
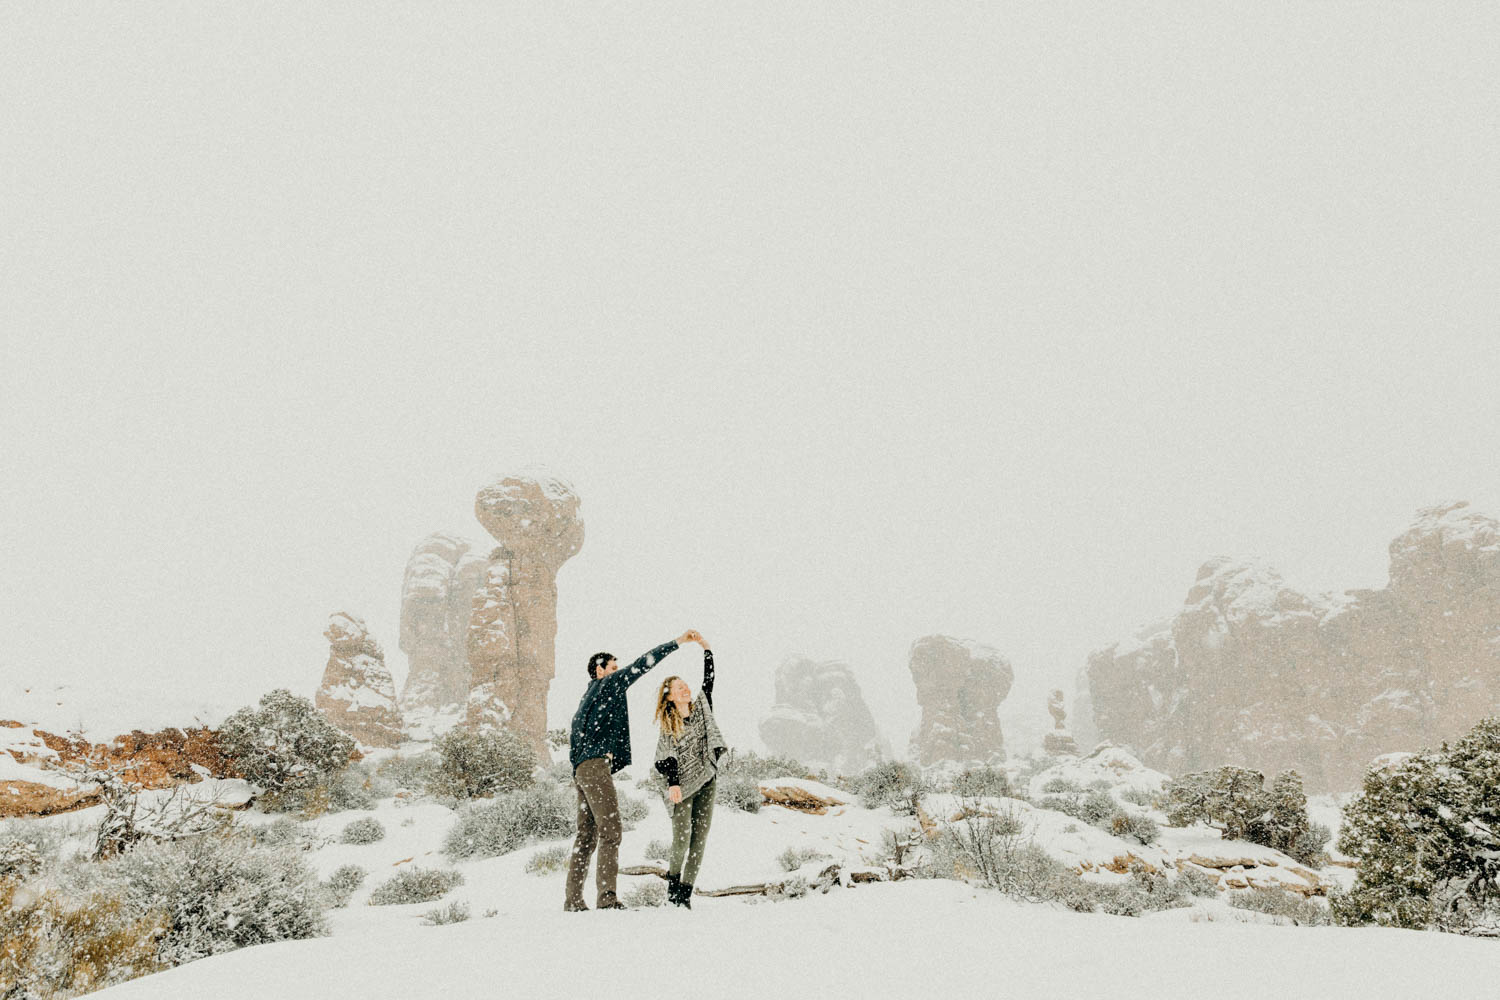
(863, 938)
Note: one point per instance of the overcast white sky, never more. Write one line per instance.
(849, 322)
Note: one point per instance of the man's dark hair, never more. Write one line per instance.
(596, 661)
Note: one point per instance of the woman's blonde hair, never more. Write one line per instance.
(667, 715)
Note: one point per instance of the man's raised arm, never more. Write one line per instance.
(629, 675)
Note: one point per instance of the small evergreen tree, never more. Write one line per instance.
(1236, 801)
(1427, 836)
(285, 745)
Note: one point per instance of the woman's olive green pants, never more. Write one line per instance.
(690, 821)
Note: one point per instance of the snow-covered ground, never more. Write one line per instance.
(931, 939)
(912, 937)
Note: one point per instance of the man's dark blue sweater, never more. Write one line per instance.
(602, 723)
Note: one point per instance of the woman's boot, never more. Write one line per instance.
(684, 895)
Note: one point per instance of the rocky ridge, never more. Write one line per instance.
(1254, 673)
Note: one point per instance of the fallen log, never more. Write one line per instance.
(758, 889)
(656, 870)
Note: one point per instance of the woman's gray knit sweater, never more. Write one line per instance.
(691, 760)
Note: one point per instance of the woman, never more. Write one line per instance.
(687, 755)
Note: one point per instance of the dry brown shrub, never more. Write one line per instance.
(57, 947)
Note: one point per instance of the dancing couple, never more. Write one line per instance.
(687, 756)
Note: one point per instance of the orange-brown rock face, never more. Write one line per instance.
(357, 694)
(513, 623)
(960, 686)
(437, 597)
(31, 784)
(1253, 673)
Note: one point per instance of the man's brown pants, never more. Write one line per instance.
(598, 823)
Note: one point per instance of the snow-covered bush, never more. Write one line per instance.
(343, 883)
(1426, 833)
(752, 765)
(738, 791)
(1197, 882)
(218, 893)
(286, 832)
(659, 850)
(991, 848)
(480, 763)
(740, 775)
(416, 885)
(652, 892)
(49, 840)
(56, 945)
(357, 786)
(551, 859)
(793, 888)
(897, 845)
(1094, 805)
(1281, 903)
(632, 810)
(19, 860)
(416, 773)
(511, 821)
(1310, 846)
(1138, 796)
(995, 850)
(1135, 826)
(1158, 889)
(980, 782)
(890, 784)
(365, 830)
(1236, 801)
(795, 857)
(284, 746)
(454, 913)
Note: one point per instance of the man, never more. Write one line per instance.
(600, 746)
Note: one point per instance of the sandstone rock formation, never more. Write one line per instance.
(513, 624)
(1059, 741)
(820, 718)
(357, 694)
(437, 597)
(1255, 674)
(34, 762)
(960, 685)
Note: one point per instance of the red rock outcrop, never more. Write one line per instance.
(820, 717)
(34, 787)
(357, 694)
(1253, 673)
(960, 685)
(513, 625)
(437, 598)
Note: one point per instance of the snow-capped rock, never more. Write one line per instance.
(820, 718)
(437, 597)
(960, 685)
(1254, 673)
(357, 694)
(512, 637)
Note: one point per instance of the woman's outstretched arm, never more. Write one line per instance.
(708, 676)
